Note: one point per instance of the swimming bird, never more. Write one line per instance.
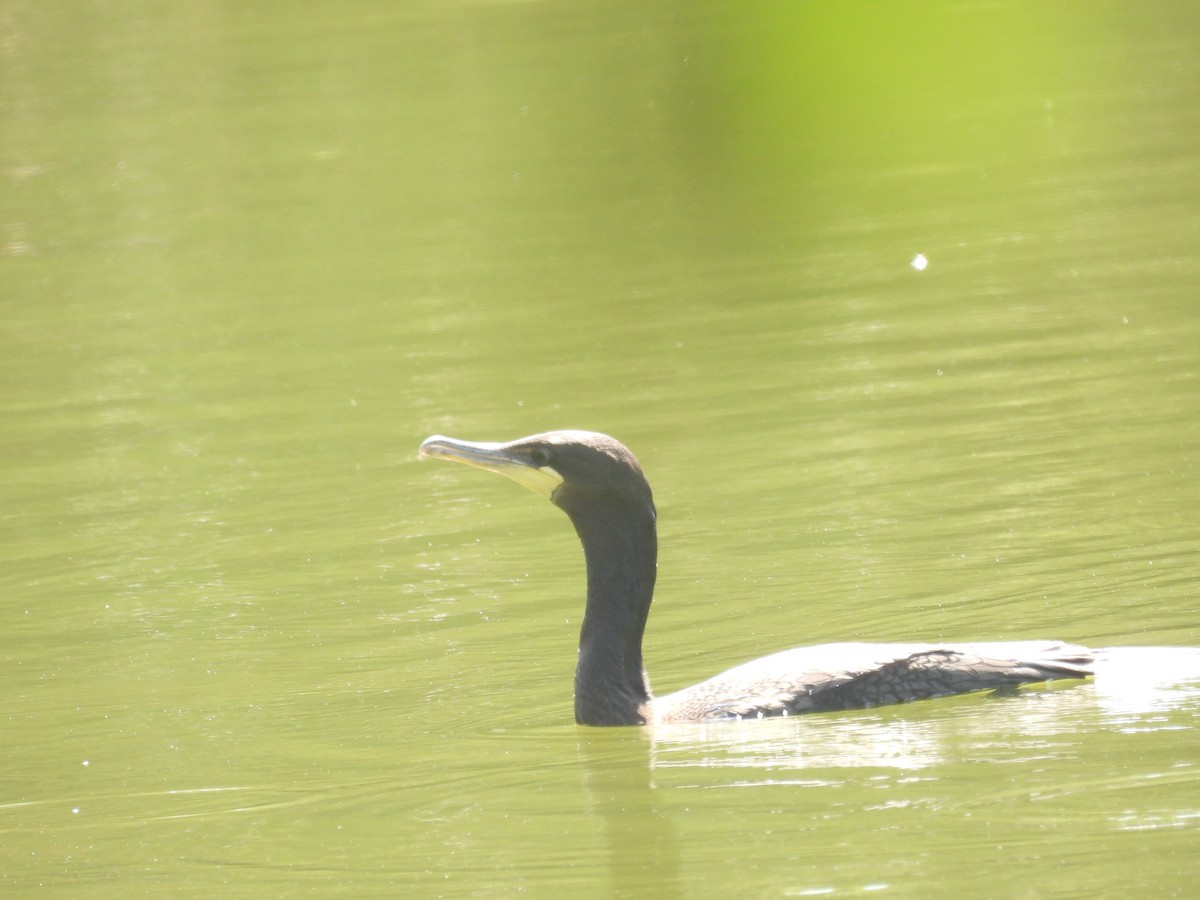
(599, 484)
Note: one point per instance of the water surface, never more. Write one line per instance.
(250, 257)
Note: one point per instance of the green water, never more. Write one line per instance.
(250, 255)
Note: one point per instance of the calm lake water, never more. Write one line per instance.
(898, 310)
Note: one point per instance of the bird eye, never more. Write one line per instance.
(539, 456)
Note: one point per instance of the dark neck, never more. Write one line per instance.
(621, 549)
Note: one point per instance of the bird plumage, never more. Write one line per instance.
(600, 485)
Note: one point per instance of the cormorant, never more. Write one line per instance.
(599, 483)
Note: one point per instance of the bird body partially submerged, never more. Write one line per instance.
(853, 676)
(599, 483)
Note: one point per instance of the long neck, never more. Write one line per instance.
(621, 549)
